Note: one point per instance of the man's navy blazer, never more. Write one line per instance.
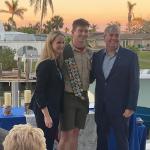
(120, 90)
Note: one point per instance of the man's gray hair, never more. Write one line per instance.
(112, 28)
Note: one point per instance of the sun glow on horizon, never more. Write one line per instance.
(96, 12)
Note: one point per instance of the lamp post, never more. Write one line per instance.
(18, 59)
(15, 85)
(26, 66)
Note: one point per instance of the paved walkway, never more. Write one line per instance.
(148, 145)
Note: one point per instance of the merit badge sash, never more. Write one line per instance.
(73, 72)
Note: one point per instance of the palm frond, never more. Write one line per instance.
(44, 7)
(32, 2)
(44, 10)
(133, 4)
(4, 11)
(37, 6)
(51, 5)
(8, 4)
(15, 4)
(130, 5)
(20, 12)
(20, 15)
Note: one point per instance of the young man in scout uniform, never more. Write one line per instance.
(76, 66)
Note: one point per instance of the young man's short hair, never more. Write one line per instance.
(80, 22)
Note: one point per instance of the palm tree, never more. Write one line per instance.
(12, 23)
(137, 25)
(130, 13)
(66, 29)
(42, 5)
(57, 22)
(47, 27)
(93, 27)
(13, 10)
(7, 26)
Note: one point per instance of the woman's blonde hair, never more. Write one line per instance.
(48, 52)
(25, 137)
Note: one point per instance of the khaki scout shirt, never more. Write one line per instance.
(83, 61)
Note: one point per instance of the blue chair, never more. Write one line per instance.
(137, 136)
(144, 113)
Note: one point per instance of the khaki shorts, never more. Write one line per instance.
(75, 111)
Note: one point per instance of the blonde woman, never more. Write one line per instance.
(25, 137)
(48, 95)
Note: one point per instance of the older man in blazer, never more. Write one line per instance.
(116, 71)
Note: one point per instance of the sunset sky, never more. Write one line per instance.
(98, 12)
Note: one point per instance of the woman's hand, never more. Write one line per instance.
(47, 118)
(48, 121)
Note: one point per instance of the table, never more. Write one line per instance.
(17, 117)
(87, 137)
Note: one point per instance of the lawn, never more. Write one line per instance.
(144, 59)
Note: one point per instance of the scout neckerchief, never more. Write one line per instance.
(73, 72)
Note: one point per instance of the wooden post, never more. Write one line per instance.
(0, 70)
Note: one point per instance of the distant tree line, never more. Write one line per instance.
(7, 58)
